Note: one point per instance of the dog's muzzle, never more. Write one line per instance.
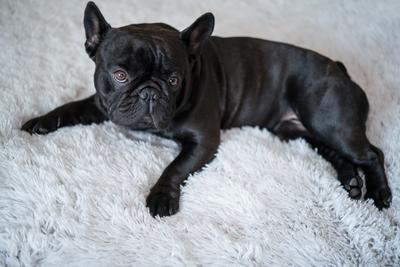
(150, 94)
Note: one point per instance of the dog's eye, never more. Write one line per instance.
(120, 76)
(173, 80)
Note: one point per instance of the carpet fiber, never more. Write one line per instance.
(76, 197)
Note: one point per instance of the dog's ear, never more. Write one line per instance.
(198, 33)
(96, 28)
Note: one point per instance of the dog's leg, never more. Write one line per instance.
(84, 111)
(346, 170)
(163, 199)
(370, 159)
(376, 181)
(357, 149)
(334, 111)
(289, 130)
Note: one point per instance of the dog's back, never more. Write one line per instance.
(260, 72)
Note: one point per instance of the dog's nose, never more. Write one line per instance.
(149, 93)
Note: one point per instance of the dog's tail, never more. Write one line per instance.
(343, 68)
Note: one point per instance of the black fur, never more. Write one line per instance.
(188, 85)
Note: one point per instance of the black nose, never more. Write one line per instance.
(149, 93)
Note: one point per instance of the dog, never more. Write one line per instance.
(188, 85)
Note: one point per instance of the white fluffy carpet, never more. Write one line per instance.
(77, 197)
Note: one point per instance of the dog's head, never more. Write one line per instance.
(143, 70)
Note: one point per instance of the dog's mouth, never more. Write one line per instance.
(138, 112)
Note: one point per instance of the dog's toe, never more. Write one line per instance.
(353, 186)
(355, 193)
(353, 182)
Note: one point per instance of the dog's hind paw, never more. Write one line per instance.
(382, 197)
(353, 186)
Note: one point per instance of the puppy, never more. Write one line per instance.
(188, 85)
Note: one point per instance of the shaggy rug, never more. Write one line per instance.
(76, 197)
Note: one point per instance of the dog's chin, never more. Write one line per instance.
(160, 125)
(145, 123)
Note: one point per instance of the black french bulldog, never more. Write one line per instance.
(188, 85)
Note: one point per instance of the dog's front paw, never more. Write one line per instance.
(42, 125)
(163, 201)
(382, 196)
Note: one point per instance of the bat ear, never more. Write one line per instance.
(198, 33)
(96, 28)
